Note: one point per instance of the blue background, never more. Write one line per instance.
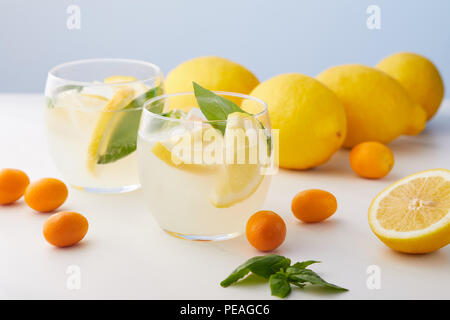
(268, 37)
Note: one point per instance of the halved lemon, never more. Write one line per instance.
(239, 179)
(120, 100)
(413, 214)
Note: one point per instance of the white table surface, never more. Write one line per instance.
(126, 256)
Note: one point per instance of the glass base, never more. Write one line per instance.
(108, 190)
(196, 237)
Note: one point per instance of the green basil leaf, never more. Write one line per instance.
(261, 265)
(309, 276)
(297, 284)
(279, 285)
(123, 137)
(304, 264)
(269, 265)
(214, 107)
(49, 102)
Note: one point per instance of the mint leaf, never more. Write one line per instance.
(279, 285)
(261, 265)
(296, 275)
(123, 138)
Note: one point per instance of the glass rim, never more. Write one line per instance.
(223, 93)
(158, 73)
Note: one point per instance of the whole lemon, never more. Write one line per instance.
(378, 107)
(419, 76)
(310, 118)
(213, 73)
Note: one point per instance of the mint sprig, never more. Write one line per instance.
(281, 274)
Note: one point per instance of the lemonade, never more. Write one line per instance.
(189, 195)
(92, 125)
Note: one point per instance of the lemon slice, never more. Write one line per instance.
(238, 181)
(166, 152)
(94, 96)
(413, 214)
(121, 99)
(119, 79)
(75, 100)
(129, 81)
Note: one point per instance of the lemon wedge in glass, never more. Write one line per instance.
(180, 151)
(120, 100)
(241, 173)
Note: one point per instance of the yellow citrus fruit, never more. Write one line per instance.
(237, 181)
(419, 76)
(119, 79)
(310, 118)
(171, 151)
(378, 107)
(413, 214)
(213, 73)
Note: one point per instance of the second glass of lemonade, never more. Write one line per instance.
(203, 179)
(92, 113)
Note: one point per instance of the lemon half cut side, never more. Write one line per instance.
(413, 214)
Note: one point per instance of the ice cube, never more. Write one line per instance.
(196, 114)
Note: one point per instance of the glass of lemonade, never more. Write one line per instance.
(92, 113)
(203, 179)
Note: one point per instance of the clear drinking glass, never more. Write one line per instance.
(92, 113)
(200, 178)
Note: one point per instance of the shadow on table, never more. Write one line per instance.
(439, 257)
